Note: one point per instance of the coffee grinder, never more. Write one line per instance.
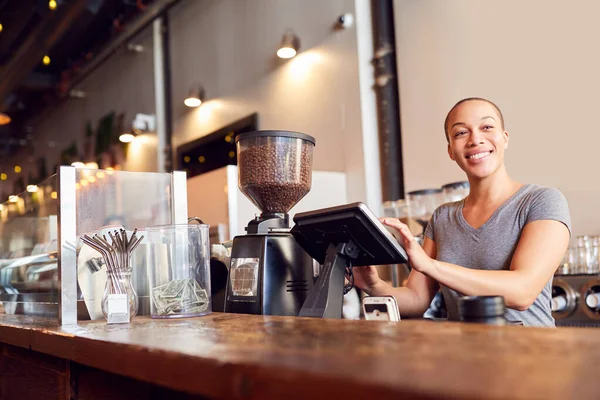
(270, 273)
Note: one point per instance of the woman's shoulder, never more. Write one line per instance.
(543, 202)
(536, 193)
(448, 209)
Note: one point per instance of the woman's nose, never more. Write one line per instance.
(476, 137)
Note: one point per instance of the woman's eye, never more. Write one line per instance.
(459, 133)
(488, 127)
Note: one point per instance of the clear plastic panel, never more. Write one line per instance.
(121, 198)
(28, 250)
(29, 229)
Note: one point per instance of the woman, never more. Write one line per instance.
(505, 238)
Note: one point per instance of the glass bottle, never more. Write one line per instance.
(119, 283)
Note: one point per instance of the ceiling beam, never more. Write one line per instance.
(38, 43)
(40, 81)
(153, 11)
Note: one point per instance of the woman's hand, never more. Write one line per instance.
(366, 279)
(417, 257)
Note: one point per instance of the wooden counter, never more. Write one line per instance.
(256, 357)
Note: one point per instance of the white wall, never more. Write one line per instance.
(536, 59)
(229, 47)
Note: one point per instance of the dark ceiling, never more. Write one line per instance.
(71, 35)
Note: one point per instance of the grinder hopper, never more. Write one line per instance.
(275, 172)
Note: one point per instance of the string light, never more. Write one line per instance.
(46, 60)
(17, 168)
(52, 5)
(3, 176)
(54, 195)
(1, 27)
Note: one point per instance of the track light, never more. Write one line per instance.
(290, 44)
(195, 96)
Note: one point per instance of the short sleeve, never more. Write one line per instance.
(549, 204)
(430, 229)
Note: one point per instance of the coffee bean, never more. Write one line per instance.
(277, 174)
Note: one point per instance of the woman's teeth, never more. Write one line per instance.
(479, 155)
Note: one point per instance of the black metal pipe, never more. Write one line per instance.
(167, 93)
(388, 100)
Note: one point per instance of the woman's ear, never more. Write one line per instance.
(450, 153)
(505, 139)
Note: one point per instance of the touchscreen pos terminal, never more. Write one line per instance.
(339, 238)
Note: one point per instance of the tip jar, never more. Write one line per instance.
(179, 270)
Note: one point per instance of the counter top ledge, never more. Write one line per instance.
(267, 357)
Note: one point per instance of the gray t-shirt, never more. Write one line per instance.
(492, 245)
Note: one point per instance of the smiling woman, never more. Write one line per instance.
(505, 238)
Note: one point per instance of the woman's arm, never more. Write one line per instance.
(540, 249)
(414, 298)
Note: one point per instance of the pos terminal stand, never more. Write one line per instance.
(339, 238)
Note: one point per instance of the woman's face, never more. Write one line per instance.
(476, 139)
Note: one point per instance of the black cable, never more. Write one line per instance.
(350, 276)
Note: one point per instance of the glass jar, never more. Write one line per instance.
(120, 300)
(455, 191)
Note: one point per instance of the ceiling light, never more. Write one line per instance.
(32, 188)
(52, 5)
(4, 119)
(46, 60)
(290, 44)
(195, 96)
(126, 137)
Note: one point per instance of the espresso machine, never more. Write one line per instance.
(269, 272)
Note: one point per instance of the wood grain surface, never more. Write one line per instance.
(262, 357)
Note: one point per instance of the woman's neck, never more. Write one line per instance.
(492, 190)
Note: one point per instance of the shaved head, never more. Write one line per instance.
(501, 117)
